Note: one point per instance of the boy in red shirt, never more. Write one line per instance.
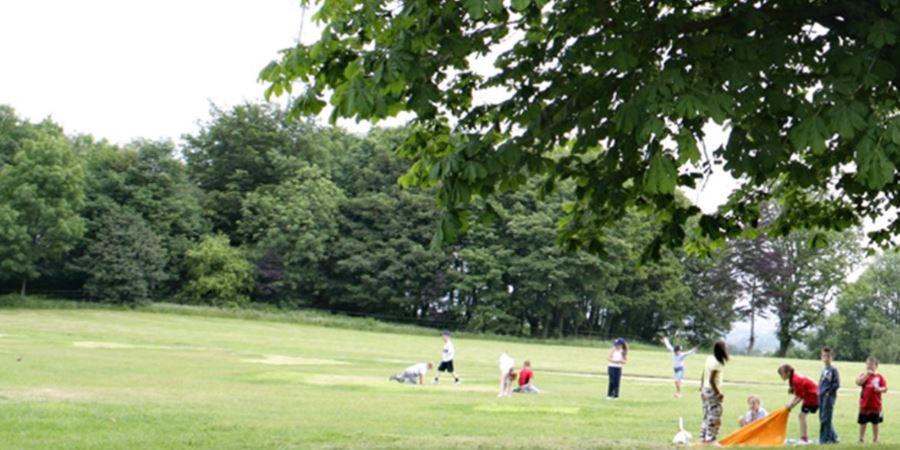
(805, 391)
(873, 385)
(525, 380)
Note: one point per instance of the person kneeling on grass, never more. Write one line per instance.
(755, 412)
(526, 376)
(507, 374)
(805, 391)
(414, 374)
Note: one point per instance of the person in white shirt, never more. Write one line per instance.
(755, 412)
(678, 357)
(507, 374)
(414, 374)
(618, 357)
(711, 393)
(447, 356)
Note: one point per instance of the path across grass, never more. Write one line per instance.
(83, 378)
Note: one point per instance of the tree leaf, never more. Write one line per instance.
(874, 168)
(520, 5)
(475, 8)
(661, 176)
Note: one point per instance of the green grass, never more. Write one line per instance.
(166, 377)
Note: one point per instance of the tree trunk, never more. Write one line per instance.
(752, 331)
(784, 335)
(24, 283)
(561, 325)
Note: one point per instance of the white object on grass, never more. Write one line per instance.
(682, 437)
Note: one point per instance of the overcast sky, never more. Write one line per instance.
(125, 69)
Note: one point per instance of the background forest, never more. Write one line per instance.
(254, 209)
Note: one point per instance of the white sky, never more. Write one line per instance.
(125, 69)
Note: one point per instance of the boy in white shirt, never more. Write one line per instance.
(755, 412)
(447, 356)
(414, 374)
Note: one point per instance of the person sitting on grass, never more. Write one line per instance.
(507, 374)
(873, 385)
(805, 391)
(678, 357)
(414, 374)
(526, 378)
(755, 412)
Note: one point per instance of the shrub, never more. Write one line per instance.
(218, 274)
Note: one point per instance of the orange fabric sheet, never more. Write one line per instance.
(770, 431)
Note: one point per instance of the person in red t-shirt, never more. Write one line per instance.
(526, 377)
(806, 392)
(873, 385)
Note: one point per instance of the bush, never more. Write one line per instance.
(125, 261)
(218, 274)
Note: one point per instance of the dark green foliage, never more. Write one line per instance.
(808, 91)
(295, 220)
(321, 221)
(511, 277)
(218, 274)
(241, 150)
(124, 261)
(144, 177)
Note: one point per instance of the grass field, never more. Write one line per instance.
(83, 378)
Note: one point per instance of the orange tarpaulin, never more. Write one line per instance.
(770, 431)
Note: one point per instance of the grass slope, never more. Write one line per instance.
(94, 378)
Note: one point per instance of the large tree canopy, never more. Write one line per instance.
(617, 94)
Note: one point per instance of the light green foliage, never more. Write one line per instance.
(144, 379)
(807, 91)
(41, 193)
(124, 260)
(867, 320)
(218, 274)
(296, 219)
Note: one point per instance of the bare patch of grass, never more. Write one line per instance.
(281, 360)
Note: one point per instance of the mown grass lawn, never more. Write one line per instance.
(82, 378)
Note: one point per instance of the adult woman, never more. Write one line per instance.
(711, 393)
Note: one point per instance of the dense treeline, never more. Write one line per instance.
(256, 208)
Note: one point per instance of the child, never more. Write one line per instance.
(755, 412)
(414, 374)
(618, 357)
(805, 391)
(678, 358)
(711, 394)
(447, 359)
(829, 383)
(526, 377)
(507, 374)
(873, 385)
